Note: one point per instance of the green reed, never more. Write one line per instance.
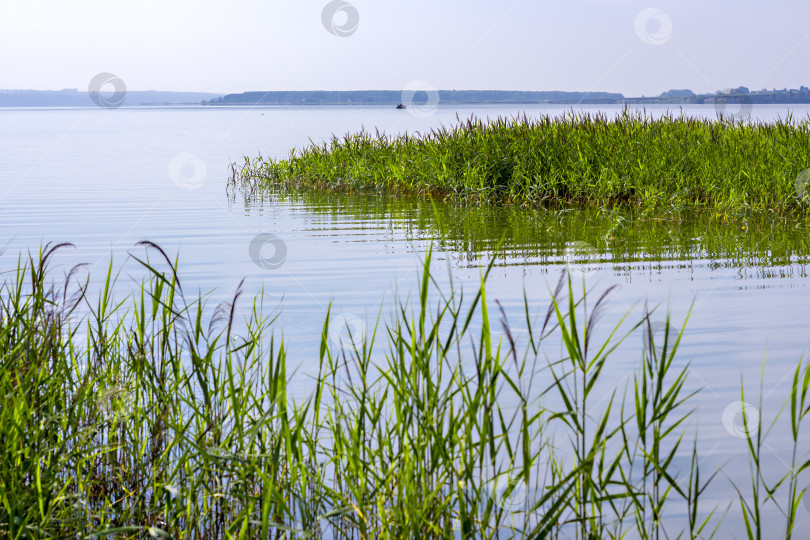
(666, 164)
(155, 415)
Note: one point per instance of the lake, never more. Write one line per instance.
(107, 179)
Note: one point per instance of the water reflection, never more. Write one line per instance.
(580, 239)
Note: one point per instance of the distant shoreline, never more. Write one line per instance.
(741, 97)
(74, 98)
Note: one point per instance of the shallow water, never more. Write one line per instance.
(106, 179)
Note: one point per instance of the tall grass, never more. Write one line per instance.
(632, 160)
(148, 416)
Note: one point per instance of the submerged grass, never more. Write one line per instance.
(633, 160)
(148, 417)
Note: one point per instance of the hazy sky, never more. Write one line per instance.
(633, 47)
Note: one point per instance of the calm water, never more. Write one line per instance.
(105, 180)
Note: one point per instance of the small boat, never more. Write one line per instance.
(402, 106)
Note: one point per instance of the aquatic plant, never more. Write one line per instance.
(156, 415)
(660, 164)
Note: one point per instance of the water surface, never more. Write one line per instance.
(106, 179)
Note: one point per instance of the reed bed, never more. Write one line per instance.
(665, 164)
(148, 417)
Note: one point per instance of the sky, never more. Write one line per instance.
(633, 47)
